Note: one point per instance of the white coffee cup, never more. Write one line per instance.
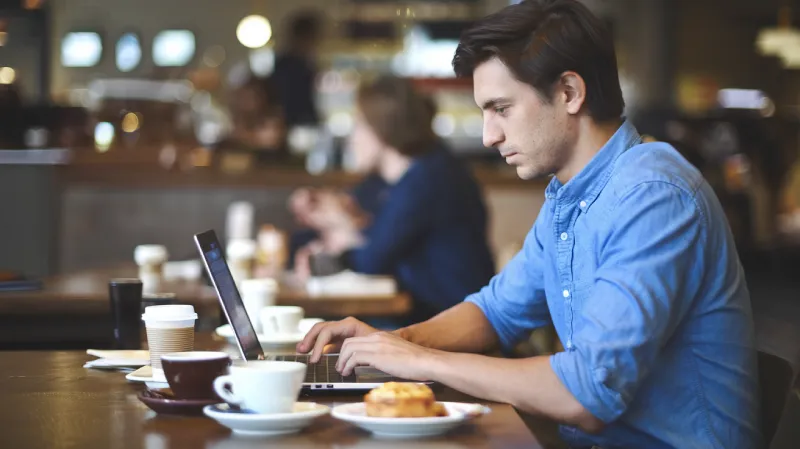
(281, 320)
(256, 295)
(262, 386)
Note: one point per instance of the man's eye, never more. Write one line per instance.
(501, 110)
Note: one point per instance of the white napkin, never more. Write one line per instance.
(117, 359)
(351, 284)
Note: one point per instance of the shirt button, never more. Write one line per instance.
(566, 293)
(583, 204)
(564, 236)
(569, 344)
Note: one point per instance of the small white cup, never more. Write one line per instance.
(281, 320)
(262, 386)
(151, 260)
(256, 295)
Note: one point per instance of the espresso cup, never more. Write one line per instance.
(191, 374)
(281, 320)
(170, 328)
(264, 387)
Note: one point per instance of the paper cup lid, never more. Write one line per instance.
(144, 254)
(169, 312)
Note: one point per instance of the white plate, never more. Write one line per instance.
(249, 423)
(117, 359)
(226, 331)
(145, 374)
(457, 414)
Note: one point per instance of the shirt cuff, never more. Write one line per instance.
(587, 385)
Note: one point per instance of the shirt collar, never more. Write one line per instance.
(587, 184)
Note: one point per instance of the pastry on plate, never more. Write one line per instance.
(403, 400)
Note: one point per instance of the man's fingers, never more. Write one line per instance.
(349, 346)
(357, 358)
(324, 337)
(308, 341)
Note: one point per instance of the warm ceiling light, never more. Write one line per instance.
(130, 122)
(254, 31)
(7, 75)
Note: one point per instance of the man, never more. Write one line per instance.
(631, 259)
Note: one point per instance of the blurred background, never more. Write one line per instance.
(151, 117)
(129, 122)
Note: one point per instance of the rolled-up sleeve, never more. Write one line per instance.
(642, 289)
(514, 301)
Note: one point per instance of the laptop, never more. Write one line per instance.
(319, 376)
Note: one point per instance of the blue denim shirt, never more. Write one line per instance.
(634, 263)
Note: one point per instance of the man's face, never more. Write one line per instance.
(529, 132)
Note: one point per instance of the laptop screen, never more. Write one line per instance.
(214, 260)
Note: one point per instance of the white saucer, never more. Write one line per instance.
(458, 414)
(145, 374)
(226, 331)
(250, 423)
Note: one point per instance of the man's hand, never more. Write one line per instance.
(334, 333)
(388, 353)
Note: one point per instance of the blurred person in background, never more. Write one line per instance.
(12, 121)
(419, 215)
(631, 259)
(368, 195)
(295, 70)
(258, 121)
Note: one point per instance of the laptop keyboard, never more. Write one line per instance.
(322, 372)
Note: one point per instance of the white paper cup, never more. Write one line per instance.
(170, 328)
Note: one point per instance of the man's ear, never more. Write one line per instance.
(574, 91)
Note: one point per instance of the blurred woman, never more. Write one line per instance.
(428, 224)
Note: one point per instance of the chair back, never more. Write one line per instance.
(776, 376)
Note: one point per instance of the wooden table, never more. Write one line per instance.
(50, 401)
(75, 308)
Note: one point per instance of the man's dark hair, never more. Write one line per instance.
(539, 40)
